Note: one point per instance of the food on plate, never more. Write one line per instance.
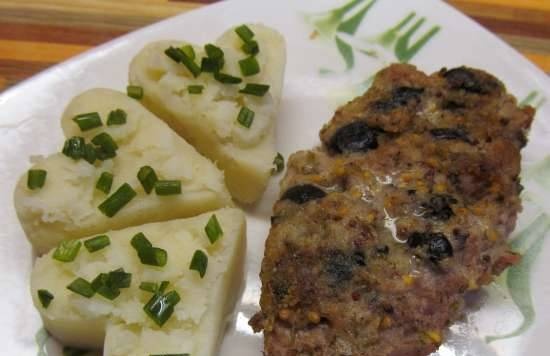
(407, 206)
(120, 166)
(157, 289)
(222, 98)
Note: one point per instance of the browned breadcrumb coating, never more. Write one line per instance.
(407, 206)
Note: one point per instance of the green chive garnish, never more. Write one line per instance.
(67, 250)
(214, 60)
(252, 48)
(210, 65)
(227, 79)
(45, 298)
(120, 279)
(117, 200)
(106, 144)
(102, 286)
(36, 178)
(213, 51)
(148, 255)
(74, 147)
(279, 162)
(213, 229)
(199, 262)
(246, 117)
(255, 89)
(134, 91)
(195, 89)
(116, 117)
(168, 187)
(88, 121)
(179, 56)
(160, 307)
(90, 154)
(189, 51)
(149, 287)
(163, 286)
(105, 182)
(82, 287)
(249, 66)
(97, 243)
(147, 177)
(245, 33)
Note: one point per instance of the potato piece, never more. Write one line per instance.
(67, 206)
(198, 321)
(209, 120)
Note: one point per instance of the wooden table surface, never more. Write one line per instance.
(35, 34)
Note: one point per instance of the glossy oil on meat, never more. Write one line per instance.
(407, 205)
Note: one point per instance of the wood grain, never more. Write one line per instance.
(35, 34)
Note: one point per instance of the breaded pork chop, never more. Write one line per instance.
(407, 206)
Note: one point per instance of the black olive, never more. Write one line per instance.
(450, 134)
(439, 247)
(416, 239)
(438, 207)
(466, 79)
(354, 137)
(452, 105)
(339, 266)
(303, 193)
(359, 258)
(399, 97)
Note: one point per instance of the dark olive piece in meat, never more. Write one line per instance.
(382, 250)
(450, 134)
(438, 207)
(355, 137)
(339, 266)
(399, 97)
(416, 239)
(452, 105)
(439, 247)
(463, 78)
(303, 193)
(359, 258)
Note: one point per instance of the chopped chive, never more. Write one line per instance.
(199, 262)
(213, 229)
(227, 79)
(90, 154)
(168, 187)
(252, 48)
(117, 117)
(97, 243)
(210, 65)
(120, 279)
(179, 56)
(195, 89)
(160, 307)
(255, 89)
(67, 250)
(163, 286)
(189, 51)
(36, 178)
(148, 255)
(246, 117)
(45, 298)
(279, 162)
(249, 66)
(134, 91)
(73, 351)
(245, 33)
(82, 287)
(74, 147)
(149, 287)
(106, 144)
(147, 177)
(102, 286)
(117, 200)
(88, 121)
(105, 182)
(213, 51)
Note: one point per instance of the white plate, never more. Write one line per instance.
(29, 125)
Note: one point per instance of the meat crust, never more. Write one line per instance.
(406, 206)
